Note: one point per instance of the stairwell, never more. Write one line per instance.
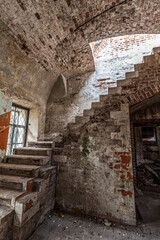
(100, 139)
(27, 190)
(95, 145)
(123, 88)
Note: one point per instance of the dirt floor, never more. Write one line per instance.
(68, 227)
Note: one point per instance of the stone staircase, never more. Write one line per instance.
(27, 190)
(98, 143)
(27, 179)
(124, 87)
(130, 79)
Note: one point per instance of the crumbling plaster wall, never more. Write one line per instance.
(95, 174)
(22, 79)
(94, 156)
(113, 57)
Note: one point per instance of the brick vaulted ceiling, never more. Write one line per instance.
(58, 32)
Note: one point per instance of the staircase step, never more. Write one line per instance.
(133, 74)
(139, 66)
(156, 50)
(88, 112)
(82, 119)
(124, 82)
(5, 212)
(27, 159)
(114, 90)
(8, 197)
(25, 208)
(103, 98)
(149, 59)
(97, 104)
(19, 169)
(16, 182)
(33, 151)
(41, 144)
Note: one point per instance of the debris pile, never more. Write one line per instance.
(148, 175)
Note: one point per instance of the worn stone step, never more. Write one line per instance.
(149, 59)
(19, 169)
(88, 112)
(27, 159)
(33, 151)
(133, 74)
(97, 104)
(103, 98)
(25, 208)
(124, 82)
(41, 144)
(8, 196)
(16, 182)
(115, 90)
(82, 119)
(139, 66)
(5, 213)
(156, 50)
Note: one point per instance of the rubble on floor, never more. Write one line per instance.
(69, 227)
(148, 206)
(148, 175)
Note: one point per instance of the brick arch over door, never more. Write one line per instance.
(142, 95)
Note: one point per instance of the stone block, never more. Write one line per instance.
(25, 208)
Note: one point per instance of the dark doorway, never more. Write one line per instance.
(145, 128)
(147, 147)
(18, 128)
